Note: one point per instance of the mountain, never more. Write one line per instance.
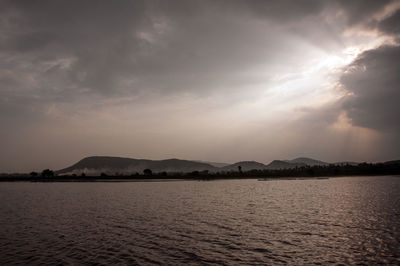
(277, 164)
(274, 165)
(307, 161)
(392, 162)
(176, 165)
(346, 163)
(246, 166)
(215, 164)
(95, 165)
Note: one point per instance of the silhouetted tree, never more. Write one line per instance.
(204, 172)
(310, 171)
(47, 173)
(33, 174)
(240, 168)
(195, 173)
(147, 172)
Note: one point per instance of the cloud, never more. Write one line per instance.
(391, 24)
(67, 51)
(360, 11)
(373, 81)
(124, 47)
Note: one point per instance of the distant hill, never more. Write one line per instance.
(346, 163)
(307, 161)
(277, 164)
(95, 165)
(215, 164)
(392, 162)
(246, 166)
(110, 165)
(176, 165)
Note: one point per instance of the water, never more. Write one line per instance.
(339, 220)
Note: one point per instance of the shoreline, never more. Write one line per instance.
(171, 179)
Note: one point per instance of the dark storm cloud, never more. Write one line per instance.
(280, 11)
(65, 50)
(374, 80)
(98, 34)
(55, 51)
(357, 11)
(391, 24)
(287, 11)
(118, 47)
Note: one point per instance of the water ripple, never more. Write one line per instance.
(239, 222)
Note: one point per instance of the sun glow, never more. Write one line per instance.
(315, 83)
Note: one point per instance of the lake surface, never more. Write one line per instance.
(338, 220)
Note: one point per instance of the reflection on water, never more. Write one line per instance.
(338, 220)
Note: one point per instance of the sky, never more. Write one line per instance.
(221, 81)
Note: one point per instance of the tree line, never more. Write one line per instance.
(362, 169)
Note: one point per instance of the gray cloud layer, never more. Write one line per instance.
(126, 46)
(391, 24)
(374, 81)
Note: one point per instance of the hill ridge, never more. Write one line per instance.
(96, 164)
(112, 164)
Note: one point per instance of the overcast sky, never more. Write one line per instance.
(216, 80)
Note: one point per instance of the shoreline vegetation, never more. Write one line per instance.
(307, 172)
